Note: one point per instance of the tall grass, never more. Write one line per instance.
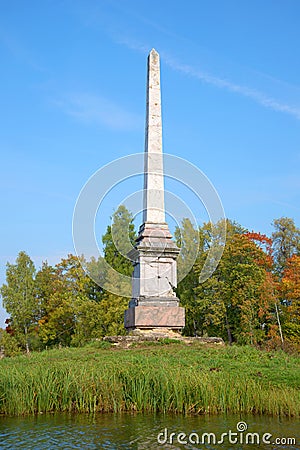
(167, 379)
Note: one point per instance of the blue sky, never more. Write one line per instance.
(72, 84)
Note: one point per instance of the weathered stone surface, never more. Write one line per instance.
(140, 336)
(154, 208)
(155, 317)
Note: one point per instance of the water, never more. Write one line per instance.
(139, 431)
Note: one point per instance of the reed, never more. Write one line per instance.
(168, 378)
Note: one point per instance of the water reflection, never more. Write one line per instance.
(135, 431)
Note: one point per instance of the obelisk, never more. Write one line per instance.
(154, 304)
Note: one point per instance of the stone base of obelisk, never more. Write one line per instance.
(154, 317)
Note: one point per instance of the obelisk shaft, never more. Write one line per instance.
(154, 207)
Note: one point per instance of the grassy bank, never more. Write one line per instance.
(165, 378)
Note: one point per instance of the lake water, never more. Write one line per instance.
(140, 431)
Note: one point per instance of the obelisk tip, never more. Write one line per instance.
(153, 52)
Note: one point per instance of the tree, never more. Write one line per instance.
(286, 241)
(75, 309)
(190, 242)
(194, 296)
(237, 300)
(290, 296)
(19, 298)
(9, 344)
(46, 282)
(118, 240)
(56, 318)
(68, 300)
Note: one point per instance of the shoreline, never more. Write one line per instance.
(163, 377)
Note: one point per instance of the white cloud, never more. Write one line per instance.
(131, 43)
(89, 108)
(257, 96)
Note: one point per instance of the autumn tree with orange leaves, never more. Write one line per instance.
(290, 298)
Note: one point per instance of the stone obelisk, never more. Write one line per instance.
(154, 304)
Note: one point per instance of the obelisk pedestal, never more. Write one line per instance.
(154, 304)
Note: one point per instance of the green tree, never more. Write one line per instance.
(117, 241)
(74, 309)
(9, 344)
(88, 322)
(19, 299)
(213, 308)
(46, 281)
(202, 301)
(286, 241)
(54, 294)
(68, 300)
(190, 242)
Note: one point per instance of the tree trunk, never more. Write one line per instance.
(195, 327)
(279, 323)
(26, 340)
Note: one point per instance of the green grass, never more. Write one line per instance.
(168, 378)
